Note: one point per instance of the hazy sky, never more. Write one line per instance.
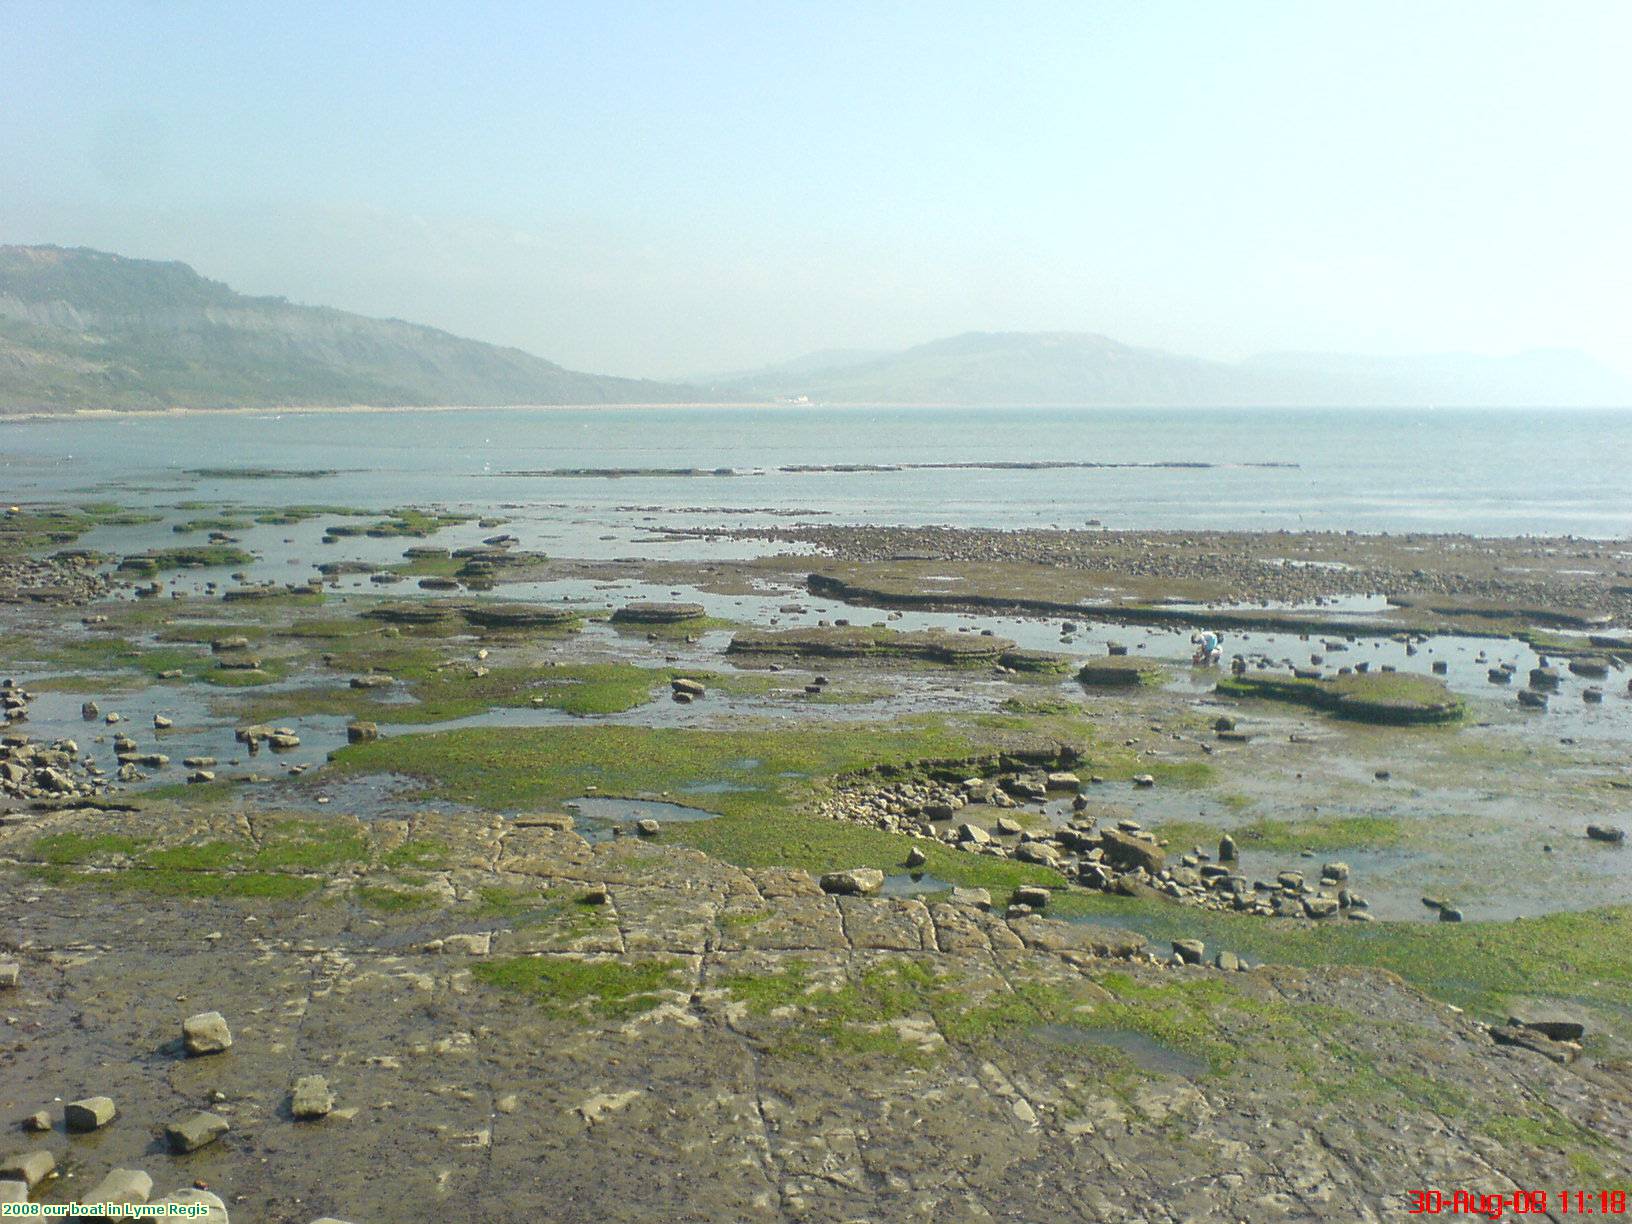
(673, 188)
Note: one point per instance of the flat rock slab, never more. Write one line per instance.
(198, 1130)
(1052, 935)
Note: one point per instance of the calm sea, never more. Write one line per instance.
(1488, 472)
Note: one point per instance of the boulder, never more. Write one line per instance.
(1190, 951)
(206, 1033)
(30, 1168)
(92, 1113)
(1529, 1039)
(120, 1186)
(857, 882)
(1556, 1025)
(310, 1098)
(362, 732)
(1039, 853)
(1124, 849)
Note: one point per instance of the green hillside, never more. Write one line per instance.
(85, 329)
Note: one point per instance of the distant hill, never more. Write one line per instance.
(1084, 369)
(85, 329)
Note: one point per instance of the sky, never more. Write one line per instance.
(663, 189)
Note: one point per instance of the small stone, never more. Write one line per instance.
(973, 834)
(1032, 896)
(596, 894)
(160, 722)
(10, 972)
(647, 827)
(89, 712)
(92, 1113)
(1334, 871)
(191, 1133)
(979, 898)
(857, 882)
(206, 1033)
(916, 857)
(1229, 962)
(311, 1098)
(37, 1122)
(1144, 780)
(1226, 849)
(362, 732)
(30, 1168)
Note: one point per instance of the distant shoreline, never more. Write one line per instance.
(100, 414)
